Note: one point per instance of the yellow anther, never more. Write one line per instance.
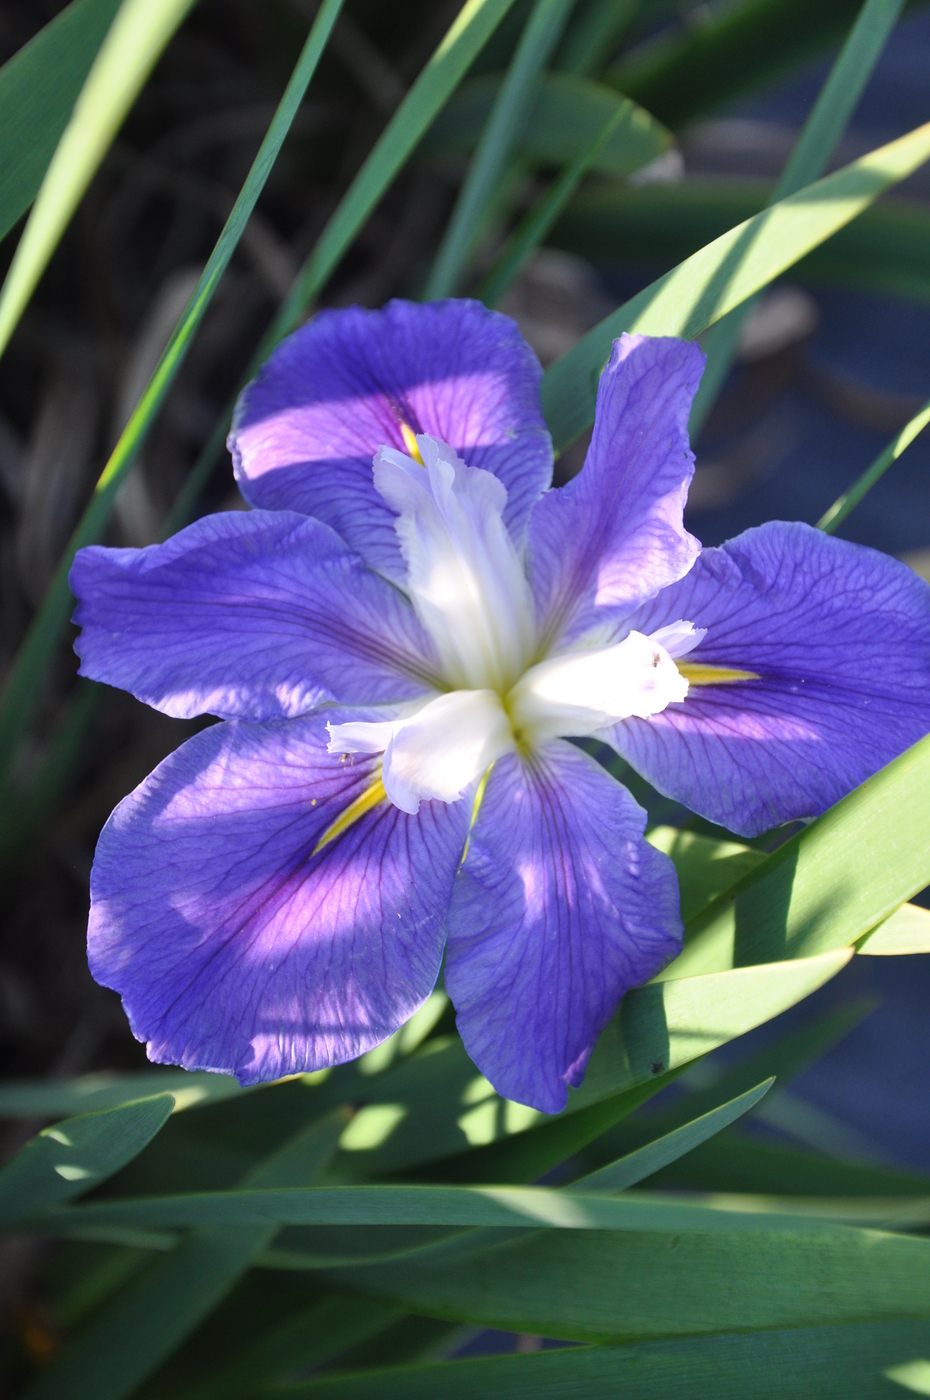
(410, 442)
(362, 804)
(697, 674)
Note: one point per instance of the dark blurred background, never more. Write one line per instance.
(825, 377)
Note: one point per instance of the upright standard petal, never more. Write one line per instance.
(249, 924)
(839, 638)
(349, 382)
(252, 614)
(560, 908)
(600, 546)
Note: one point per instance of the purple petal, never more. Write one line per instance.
(840, 638)
(254, 614)
(559, 909)
(233, 946)
(610, 539)
(306, 429)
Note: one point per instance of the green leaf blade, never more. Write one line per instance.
(831, 1363)
(24, 682)
(163, 1305)
(540, 36)
(824, 127)
(724, 273)
(136, 37)
(39, 86)
(92, 1092)
(576, 1284)
(473, 26)
(645, 1161)
(76, 1155)
(905, 933)
(816, 892)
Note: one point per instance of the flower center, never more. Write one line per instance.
(467, 585)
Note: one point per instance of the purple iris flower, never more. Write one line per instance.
(401, 636)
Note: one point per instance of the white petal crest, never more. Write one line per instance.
(436, 753)
(678, 638)
(581, 692)
(464, 577)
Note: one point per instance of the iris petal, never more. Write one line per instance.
(233, 945)
(839, 638)
(254, 614)
(560, 908)
(350, 381)
(600, 546)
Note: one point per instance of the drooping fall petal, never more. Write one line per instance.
(250, 614)
(235, 943)
(839, 637)
(560, 908)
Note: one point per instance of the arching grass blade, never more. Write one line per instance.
(636, 1166)
(136, 38)
(39, 86)
(540, 36)
(76, 1155)
(724, 273)
(836, 102)
(24, 683)
(540, 219)
(832, 519)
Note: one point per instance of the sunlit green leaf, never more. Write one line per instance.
(38, 89)
(669, 1023)
(906, 931)
(886, 249)
(137, 36)
(834, 517)
(705, 867)
(718, 277)
(76, 1155)
(528, 1155)
(782, 1059)
(440, 1104)
(23, 686)
(829, 884)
